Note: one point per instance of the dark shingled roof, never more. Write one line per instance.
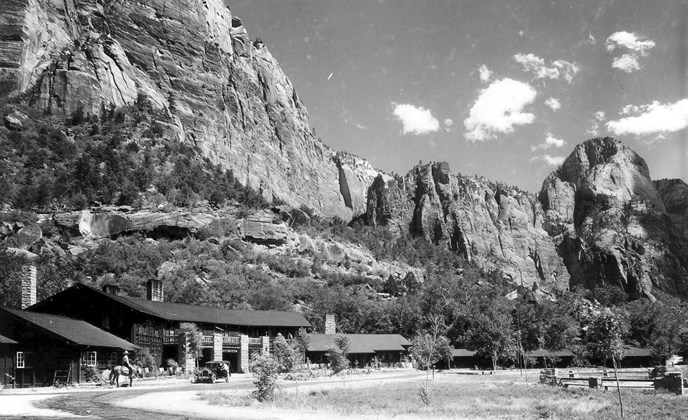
(78, 332)
(361, 343)
(5, 340)
(206, 314)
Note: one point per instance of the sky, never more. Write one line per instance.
(502, 89)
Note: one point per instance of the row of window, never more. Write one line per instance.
(25, 359)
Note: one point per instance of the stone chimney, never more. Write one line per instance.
(28, 285)
(154, 290)
(330, 325)
(112, 289)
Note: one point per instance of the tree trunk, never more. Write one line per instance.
(618, 388)
(494, 363)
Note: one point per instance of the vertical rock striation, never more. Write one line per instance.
(224, 94)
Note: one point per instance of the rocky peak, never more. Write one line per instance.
(611, 221)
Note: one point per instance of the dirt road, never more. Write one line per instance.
(173, 402)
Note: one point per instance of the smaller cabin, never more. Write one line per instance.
(375, 350)
(42, 348)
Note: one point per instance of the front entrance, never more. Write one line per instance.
(231, 356)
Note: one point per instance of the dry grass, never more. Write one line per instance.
(470, 397)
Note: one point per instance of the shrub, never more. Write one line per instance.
(264, 368)
(284, 353)
(338, 353)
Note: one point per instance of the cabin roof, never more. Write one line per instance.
(5, 340)
(200, 314)
(75, 331)
(361, 343)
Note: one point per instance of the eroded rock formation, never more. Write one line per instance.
(495, 225)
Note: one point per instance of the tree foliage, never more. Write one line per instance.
(338, 352)
(265, 368)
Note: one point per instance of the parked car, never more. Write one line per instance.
(214, 370)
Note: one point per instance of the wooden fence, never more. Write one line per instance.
(605, 379)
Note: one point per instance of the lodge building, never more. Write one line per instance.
(228, 334)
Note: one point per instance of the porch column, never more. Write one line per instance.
(243, 353)
(266, 344)
(217, 346)
(185, 361)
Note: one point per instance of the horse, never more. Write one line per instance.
(120, 370)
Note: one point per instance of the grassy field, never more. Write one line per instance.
(503, 396)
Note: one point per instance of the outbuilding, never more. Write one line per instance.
(39, 349)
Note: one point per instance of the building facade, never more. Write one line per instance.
(231, 335)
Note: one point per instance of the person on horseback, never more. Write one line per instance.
(127, 364)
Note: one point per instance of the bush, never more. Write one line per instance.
(264, 368)
(338, 353)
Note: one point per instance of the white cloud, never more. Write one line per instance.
(485, 73)
(568, 69)
(415, 119)
(594, 124)
(652, 118)
(550, 141)
(553, 103)
(499, 108)
(634, 44)
(553, 160)
(630, 41)
(537, 66)
(627, 63)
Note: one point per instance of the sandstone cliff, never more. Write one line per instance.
(495, 225)
(611, 224)
(221, 92)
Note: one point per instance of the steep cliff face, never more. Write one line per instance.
(193, 60)
(492, 224)
(611, 224)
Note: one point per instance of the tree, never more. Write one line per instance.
(488, 330)
(301, 343)
(264, 368)
(194, 340)
(430, 347)
(337, 354)
(284, 353)
(605, 338)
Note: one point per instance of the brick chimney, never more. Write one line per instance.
(28, 285)
(112, 289)
(330, 325)
(154, 290)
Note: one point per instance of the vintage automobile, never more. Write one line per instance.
(212, 371)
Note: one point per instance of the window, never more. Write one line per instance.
(89, 358)
(24, 360)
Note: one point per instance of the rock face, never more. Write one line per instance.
(492, 224)
(194, 60)
(611, 223)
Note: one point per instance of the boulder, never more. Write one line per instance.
(15, 120)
